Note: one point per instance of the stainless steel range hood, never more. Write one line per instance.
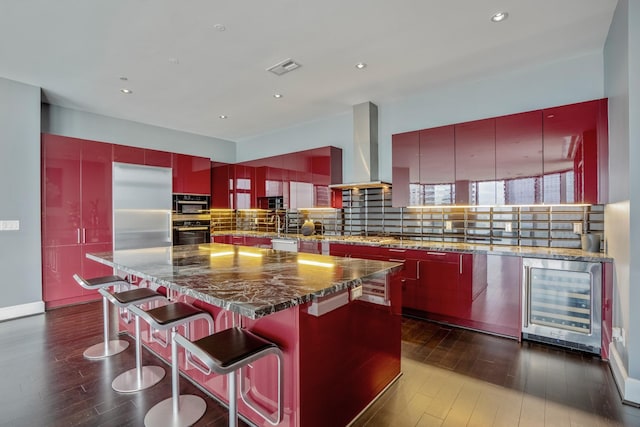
(365, 148)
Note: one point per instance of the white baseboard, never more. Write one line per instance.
(22, 310)
(628, 387)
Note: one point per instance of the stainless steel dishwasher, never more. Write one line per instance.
(561, 303)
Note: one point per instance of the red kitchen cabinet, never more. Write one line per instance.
(262, 242)
(158, 158)
(127, 154)
(405, 160)
(77, 214)
(191, 174)
(519, 163)
(439, 284)
(437, 165)
(326, 168)
(576, 153)
(475, 165)
(221, 185)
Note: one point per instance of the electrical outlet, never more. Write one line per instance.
(356, 292)
(11, 225)
(577, 227)
(507, 227)
(448, 225)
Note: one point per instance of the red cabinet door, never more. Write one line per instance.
(437, 165)
(576, 153)
(191, 174)
(59, 264)
(220, 185)
(438, 287)
(519, 158)
(475, 164)
(405, 169)
(158, 158)
(77, 214)
(96, 192)
(127, 154)
(61, 204)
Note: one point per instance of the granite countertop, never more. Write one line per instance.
(391, 242)
(253, 282)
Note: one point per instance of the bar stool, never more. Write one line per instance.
(169, 317)
(226, 352)
(140, 377)
(107, 347)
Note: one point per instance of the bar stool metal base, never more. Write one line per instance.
(98, 351)
(127, 382)
(192, 408)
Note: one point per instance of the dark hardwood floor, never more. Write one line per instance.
(451, 377)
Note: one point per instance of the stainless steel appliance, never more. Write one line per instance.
(141, 206)
(191, 204)
(191, 229)
(562, 303)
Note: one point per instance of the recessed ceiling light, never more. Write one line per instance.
(500, 16)
(123, 78)
(361, 65)
(127, 91)
(277, 95)
(220, 27)
(222, 116)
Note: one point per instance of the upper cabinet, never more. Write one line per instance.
(191, 174)
(576, 153)
(519, 166)
(555, 155)
(437, 166)
(295, 180)
(405, 173)
(475, 170)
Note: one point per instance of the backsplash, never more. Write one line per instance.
(368, 212)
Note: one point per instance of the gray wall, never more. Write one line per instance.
(622, 86)
(566, 81)
(80, 124)
(20, 257)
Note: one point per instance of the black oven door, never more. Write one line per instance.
(191, 235)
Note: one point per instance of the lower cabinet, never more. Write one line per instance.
(472, 290)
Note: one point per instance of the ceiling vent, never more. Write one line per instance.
(284, 67)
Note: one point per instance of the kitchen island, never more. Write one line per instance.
(337, 320)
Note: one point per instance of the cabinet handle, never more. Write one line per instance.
(418, 270)
(436, 253)
(78, 235)
(396, 260)
(397, 250)
(461, 264)
(84, 235)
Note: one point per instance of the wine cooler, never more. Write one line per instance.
(562, 303)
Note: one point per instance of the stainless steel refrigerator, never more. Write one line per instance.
(141, 206)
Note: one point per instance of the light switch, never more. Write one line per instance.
(577, 227)
(448, 226)
(507, 227)
(10, 225)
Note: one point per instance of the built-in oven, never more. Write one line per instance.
(191, 229)
(562, 303)
(191, 204)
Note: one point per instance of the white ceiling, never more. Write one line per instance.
(184, 72)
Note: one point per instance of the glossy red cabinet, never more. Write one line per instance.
(438, 165)
(475, 144)
(191, 174)
(127, 154)
(76, 214)
(576, 153)
(555, 155)
(158, 158)
(405, 172)
(519, 166)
